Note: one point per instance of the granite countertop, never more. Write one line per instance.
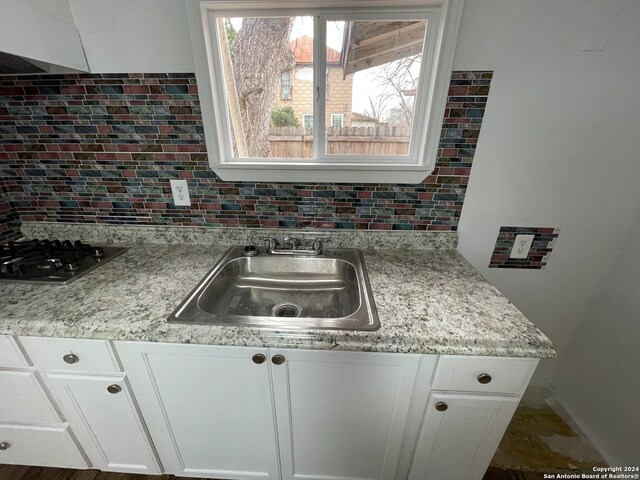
(427, 301)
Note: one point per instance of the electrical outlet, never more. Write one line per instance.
(180, 192)
(521, 246)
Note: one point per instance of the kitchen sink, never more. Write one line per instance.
(327, 291)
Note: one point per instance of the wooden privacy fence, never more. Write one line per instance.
(297, 142)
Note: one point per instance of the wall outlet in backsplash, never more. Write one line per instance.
(543, 242)
(102, 148)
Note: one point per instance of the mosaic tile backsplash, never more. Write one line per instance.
(9, 222)
(543, 241)
(87, 148)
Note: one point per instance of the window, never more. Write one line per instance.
(392, 64)
(285, 85)
(307, 120)
(337, 119)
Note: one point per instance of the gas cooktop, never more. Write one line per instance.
(51, 261)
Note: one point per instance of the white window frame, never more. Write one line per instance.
(443, 16)
(337, 115)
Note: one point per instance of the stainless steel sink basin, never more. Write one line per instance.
(328, 291)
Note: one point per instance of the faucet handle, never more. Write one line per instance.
(319, 242)
(272, 243)
(294, 242)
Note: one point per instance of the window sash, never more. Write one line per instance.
(320, 151)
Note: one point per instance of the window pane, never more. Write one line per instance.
(373, 70)
(285, 85)
(307, 121)
(266, 63)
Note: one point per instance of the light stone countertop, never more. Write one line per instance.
(427, 301)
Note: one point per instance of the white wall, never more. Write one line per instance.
(121, 36)
(59, 9)
(558, 147)
(599, 381)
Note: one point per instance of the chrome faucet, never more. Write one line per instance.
(291, 242)
(291, 246)
(272, 243)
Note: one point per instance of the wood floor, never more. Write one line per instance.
(16, 472)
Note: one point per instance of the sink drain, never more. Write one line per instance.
(286, 310)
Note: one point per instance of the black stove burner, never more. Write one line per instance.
(51, 260)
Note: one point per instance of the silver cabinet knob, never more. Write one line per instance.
(441, 406)
(114, 389)
(484, 378)
(258, 358)
(4, 445)
(277, 359)
(71, 358)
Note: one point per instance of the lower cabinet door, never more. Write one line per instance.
(105, 417)
(23, 400)
(208, 408)
(459, 435)
(46, 446)
(341, 415)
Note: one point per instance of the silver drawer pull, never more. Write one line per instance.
(277, 359)
(441, 406)
(258, 358)
(114, 389)
(71, 358)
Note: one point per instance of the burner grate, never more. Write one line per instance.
(53, 261)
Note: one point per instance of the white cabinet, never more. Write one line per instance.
(48, 446)
(341, 415)
(459, 435)
(105, 418)
(213, 411)
(209, 409)
(23, 400)
(95, 399)
(32, 432)
(10, 353)
(483, 374)
(72, 354)
(253, 413)
(471, 403)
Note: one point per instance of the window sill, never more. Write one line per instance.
(370, 173)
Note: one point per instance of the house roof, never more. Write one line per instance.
(302, 48)
(360, 117)
(367, 44)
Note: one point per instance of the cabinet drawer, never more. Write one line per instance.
(23, 399)
(483, 374)
(71, 354)
(10, 354)
(46, 446)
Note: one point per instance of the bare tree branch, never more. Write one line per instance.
(400, 78)
(377, 106)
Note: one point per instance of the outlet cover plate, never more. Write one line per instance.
(180, 192)
(521, 246)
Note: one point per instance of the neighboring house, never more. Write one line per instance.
(296, 86)
(360, 120)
